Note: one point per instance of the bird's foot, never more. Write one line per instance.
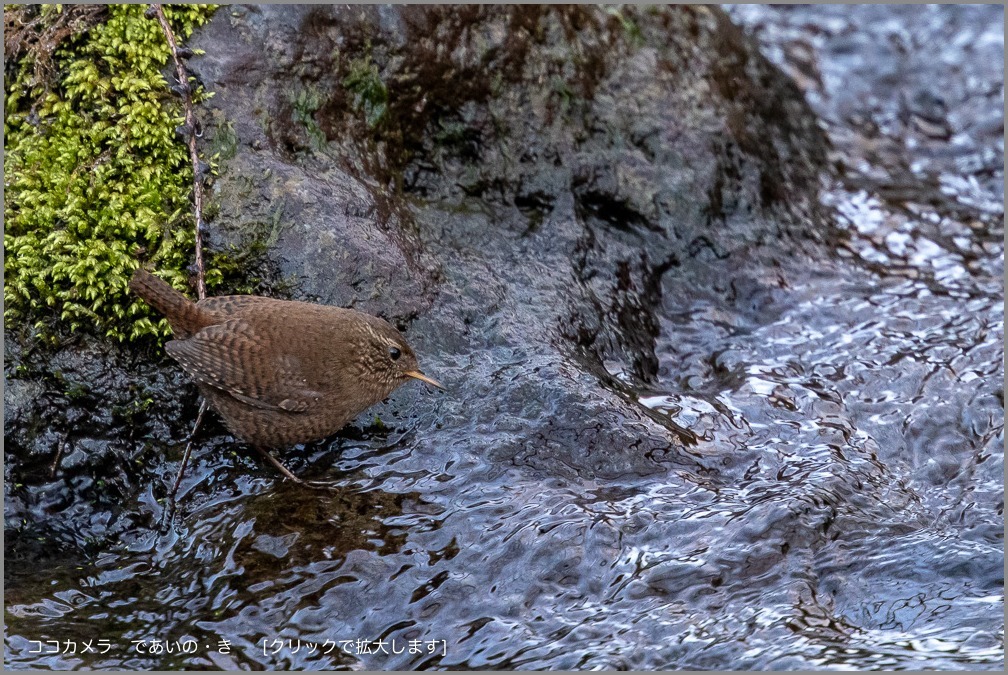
(279, 466)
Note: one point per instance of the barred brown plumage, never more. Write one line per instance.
(281, 372)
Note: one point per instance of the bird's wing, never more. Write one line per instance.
(230, 356)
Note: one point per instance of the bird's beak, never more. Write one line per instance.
(423, 378)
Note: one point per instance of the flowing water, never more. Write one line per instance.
(842, 505)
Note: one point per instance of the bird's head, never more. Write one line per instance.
(387, 357)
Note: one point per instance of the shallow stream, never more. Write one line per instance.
(840, 503)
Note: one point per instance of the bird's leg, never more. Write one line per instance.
(276, 462)
(188, 448)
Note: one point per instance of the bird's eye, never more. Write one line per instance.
(394, 353)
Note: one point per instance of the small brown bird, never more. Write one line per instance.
(281, 372)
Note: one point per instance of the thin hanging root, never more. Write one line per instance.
(192, 127)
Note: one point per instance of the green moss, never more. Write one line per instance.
(630, 27)
(370, 94)
(451, 132)
(306, 101)
(97, 182)
(224, 144)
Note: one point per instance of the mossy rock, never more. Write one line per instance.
(97, 182)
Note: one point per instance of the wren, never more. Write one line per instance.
(281, 372)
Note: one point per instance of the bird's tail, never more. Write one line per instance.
(182, 313)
